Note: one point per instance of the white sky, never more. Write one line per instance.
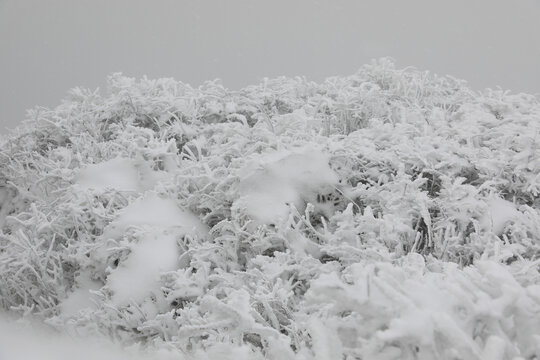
(50, 46)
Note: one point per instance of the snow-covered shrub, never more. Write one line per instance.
(390, 214)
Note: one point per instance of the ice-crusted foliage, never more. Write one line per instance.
(390, 214)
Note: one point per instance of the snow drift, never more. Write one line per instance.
(390, 214)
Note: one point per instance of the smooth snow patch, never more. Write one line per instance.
(33, 341)
(81, 298)
(274, 181)
(121, 174)
(118, 173)
(296, 121)
(161, 222)
(138, 276)
(500, 213)
(152, 210)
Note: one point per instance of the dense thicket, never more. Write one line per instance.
(390, 214)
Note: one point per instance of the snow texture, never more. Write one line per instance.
(390, 214)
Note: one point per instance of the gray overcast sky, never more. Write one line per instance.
(50, 46)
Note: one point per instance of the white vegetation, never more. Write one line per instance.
(390, 214)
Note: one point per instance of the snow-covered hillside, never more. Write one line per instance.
(390, 214)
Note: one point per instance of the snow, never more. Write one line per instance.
(500, 213)
(33, 341)
(118, 173)
(154, 211)
(82, 297)
(138, 276)
(121, 174)
(385, 215)
(274, 181)
(161, 224)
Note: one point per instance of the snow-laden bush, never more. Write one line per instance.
(390, 214)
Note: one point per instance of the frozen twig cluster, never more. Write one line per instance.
(390, 214)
